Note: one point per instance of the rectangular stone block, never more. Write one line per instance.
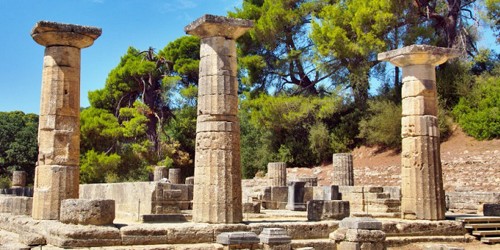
(426, 125)
(420, 105)
(360, 223)
(318, 210)
(491, 209)
(236, 238)
(279, 194)
(326, 193)
(218, 85)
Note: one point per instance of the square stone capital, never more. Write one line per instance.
(210, 26)
(61, 34)
(418, 54)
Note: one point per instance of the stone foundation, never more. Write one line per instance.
(87, 212)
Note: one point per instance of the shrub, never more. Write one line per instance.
(478, 113)
(383, 125)
(319, 142)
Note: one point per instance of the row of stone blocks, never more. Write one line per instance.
(269, 238)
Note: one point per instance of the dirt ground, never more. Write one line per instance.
(459, 154)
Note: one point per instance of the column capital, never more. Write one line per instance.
(60, 34)
(210, 26)
(418, 54)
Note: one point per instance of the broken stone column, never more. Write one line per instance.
(276, 172)
(57, 171)
(175, 175)
(18, 179)
(160, 173)
(343, 173)
(421, 176)
(217, 193)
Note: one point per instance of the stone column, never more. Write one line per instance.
(160, 172)
(421, 176)
(276, 172)
(18, 179)
(175, 176)
(57, 171)
(343, 173)
(217, 189)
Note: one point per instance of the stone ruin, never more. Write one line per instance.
(281, 214)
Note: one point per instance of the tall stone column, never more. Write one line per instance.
(217, 194)
(421, 175)
(343, 172)
(276, 172)
(57, 171)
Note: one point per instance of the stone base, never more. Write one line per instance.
(327, 210)
(162, 218)
(87, 212)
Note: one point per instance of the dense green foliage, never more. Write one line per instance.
(478, 112)
(18, 143)
(144, 116)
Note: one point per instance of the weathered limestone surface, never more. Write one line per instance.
(57, 171)
(175, 176)
(421, 173)
(343, 173)
(160, 172)
(238, 240)
(318, 210)
(16, 205)
(217, 193)
(276, 172)
(359, 233)
(275, 238)
(87, 212)
(18, 179)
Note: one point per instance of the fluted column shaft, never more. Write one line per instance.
(276, 172)
(343, 171)
(421, 175)
(217, 194)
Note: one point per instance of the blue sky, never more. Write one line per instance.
(124, 23)
(138, 23)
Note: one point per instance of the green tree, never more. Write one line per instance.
(18, 143)
(478, 113)
(277, 52)
(493, 13)
(138, 76)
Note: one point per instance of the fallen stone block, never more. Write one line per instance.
(361, 223)
(87, 212)
(327, 210)
(491, 209)
(238, 240)
(251, 207)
